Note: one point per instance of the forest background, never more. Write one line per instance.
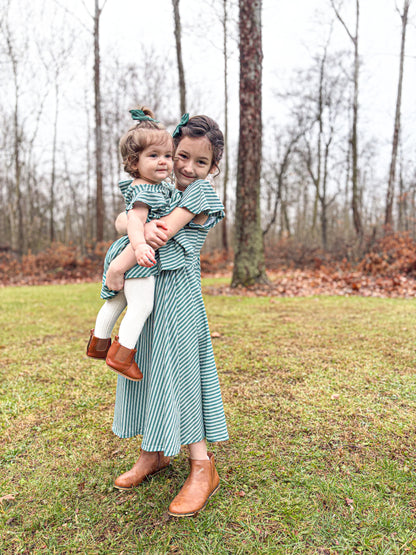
(337, 189)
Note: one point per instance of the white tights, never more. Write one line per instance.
(137, 295)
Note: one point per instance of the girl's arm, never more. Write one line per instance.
(156, 233)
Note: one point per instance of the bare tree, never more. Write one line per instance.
(354, 37)
(98, 126)
(276, 179)
(54, 60)
(178, 40)
(388, 220)
(14, 58)
(227, 156)
(249, 266)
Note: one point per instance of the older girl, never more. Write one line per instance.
(178, 402)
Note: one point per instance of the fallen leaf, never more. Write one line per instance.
(8, 497)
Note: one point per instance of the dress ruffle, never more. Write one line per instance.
(200, 197)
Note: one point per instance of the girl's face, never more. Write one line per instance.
(155, 163)
(192, 161)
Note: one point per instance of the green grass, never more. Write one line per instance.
(320, 398)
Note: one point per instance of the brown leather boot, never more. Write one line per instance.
(149, 463)
(121, 359)
(201, 484)
(98, 348)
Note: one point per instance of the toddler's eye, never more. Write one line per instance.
(202, 162)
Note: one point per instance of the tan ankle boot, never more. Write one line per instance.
(149, 463)
(201, 484)
(121, 359)
(97, 348)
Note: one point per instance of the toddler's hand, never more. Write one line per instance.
(114, 279)
(145, 255)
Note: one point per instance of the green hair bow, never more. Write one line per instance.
(139, 115)
(184, 121)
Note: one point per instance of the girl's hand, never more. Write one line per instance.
(145, 255)
(154, 233)
(114, 278)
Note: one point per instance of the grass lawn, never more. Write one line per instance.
(320, 397)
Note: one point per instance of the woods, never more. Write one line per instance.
(309, 168)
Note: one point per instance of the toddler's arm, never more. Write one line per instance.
(136, 218)
(155, 236)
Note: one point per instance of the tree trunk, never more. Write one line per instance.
(53, 170)
(249, 266)
(18, 236)
(181, 72)
(227, 158)
(99, 199)
(355, 201)
(388, 220)
(354, 136)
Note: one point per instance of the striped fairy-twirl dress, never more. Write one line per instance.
(161, 199)
(179, 400)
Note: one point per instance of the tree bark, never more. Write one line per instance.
(249, 265)
(99, 199)
(227, 158)
(388, 220)
(181, 71)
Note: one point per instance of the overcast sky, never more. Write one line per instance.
(292, 31)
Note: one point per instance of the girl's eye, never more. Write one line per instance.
(202, 162)
(182, 156)
(168, 156)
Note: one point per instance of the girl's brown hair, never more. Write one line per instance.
(139, 137)
(203, 126)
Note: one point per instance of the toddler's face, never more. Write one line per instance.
(192, 161)
(155, 162)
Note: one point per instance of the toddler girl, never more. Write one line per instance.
(146, 150)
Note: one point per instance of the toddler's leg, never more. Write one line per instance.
(108, 314)
(139, 293)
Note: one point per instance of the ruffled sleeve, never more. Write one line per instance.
(153, 196)
(200, 197)
(125, 189)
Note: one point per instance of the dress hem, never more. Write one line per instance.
(129, 435)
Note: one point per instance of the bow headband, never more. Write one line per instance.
(139, 115)
(184, 121)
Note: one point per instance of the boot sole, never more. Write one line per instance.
(98, 357)
(194, 513)
(145, 479)
(124, 376)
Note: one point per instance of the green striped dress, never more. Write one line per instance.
(179, 400)
(161, 199)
